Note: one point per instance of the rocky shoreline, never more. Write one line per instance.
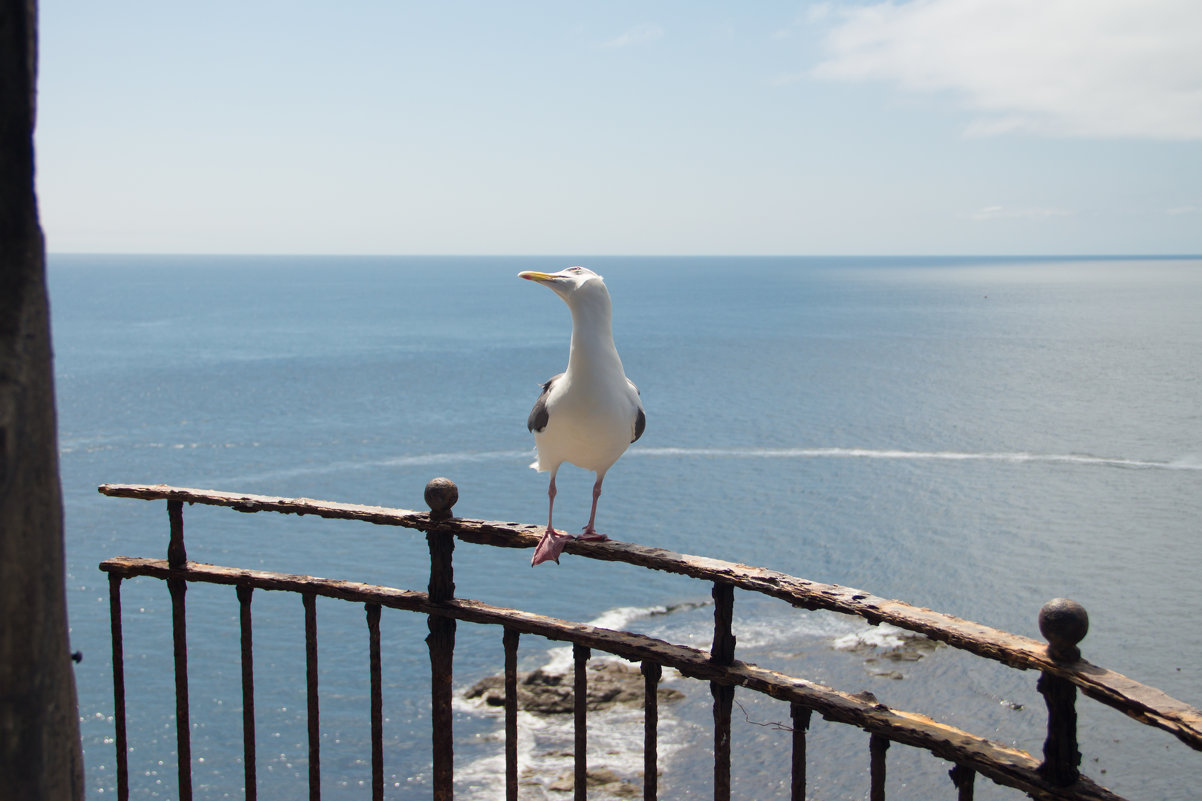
(610, 683)
(616, 685)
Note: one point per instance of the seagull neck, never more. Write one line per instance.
(592, 338)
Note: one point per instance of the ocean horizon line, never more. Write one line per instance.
(352, 255)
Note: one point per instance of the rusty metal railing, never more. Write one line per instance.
(1062, 670)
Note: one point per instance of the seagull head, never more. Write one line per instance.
(572, 284)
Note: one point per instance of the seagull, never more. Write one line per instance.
(590, 413)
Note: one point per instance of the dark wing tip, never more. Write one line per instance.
(537, 420)
(640, 422)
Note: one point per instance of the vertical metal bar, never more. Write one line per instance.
(651, 675)
(442, 569)
(441, 642)
(119, 688)
(580, 656)
(377, 703)
(310, 601)
(177, 559)
(177, 555)
(183, 729)
(801, 722)
(963, 778)
(1061, 756)
(877, 745)
(1063, 623)
(510, 641)
(722, 653)
(723, 702)
(248, 695)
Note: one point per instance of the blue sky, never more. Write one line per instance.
(390, 127)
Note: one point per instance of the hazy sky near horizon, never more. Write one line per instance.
(391, 127)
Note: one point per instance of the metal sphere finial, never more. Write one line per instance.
(1063, 623)
(441, 495)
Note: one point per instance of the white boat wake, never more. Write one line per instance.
(952, 456)
(521, 456)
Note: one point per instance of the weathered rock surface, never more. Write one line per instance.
(609, 684)
(604, 781)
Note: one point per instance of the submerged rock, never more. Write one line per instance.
(609, 684)
(885, 647)
(604, 781)
(888, 642)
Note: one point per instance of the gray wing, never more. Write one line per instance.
(538, 415)
(640, 420)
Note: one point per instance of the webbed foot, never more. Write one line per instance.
(592, 535)
(549, 547)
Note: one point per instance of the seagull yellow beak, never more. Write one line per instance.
(531, 275)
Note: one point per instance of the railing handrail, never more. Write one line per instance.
(1003, 764)
(1143, 703)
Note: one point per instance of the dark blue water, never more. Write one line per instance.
(974, 435)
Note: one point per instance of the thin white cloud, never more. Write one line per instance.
(1179, 210)
(787, 79)
(815, 12)
(1066, 68)
(638, 35)
(1004, 213)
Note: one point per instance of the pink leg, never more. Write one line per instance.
(591, 533)
(552, 542)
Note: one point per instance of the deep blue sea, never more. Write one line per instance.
(977, 435)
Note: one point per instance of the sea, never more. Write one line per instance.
(976, 435)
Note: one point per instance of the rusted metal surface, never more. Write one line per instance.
(441, 642)
(801, 723)
(177, 554)
(377, 702)
(722, 652)
(248, 693)
(580, 657)
(724, 696)
(1061, 759)
(1064, 624)
(441, 494)
(178, 587)
(651, 676)
(962, 779)
(1002, 764)
(177, 557)
(877, 746)
(442, 572)
(1143, 703)
(314, 706)
(119, 687)
(510, 643)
